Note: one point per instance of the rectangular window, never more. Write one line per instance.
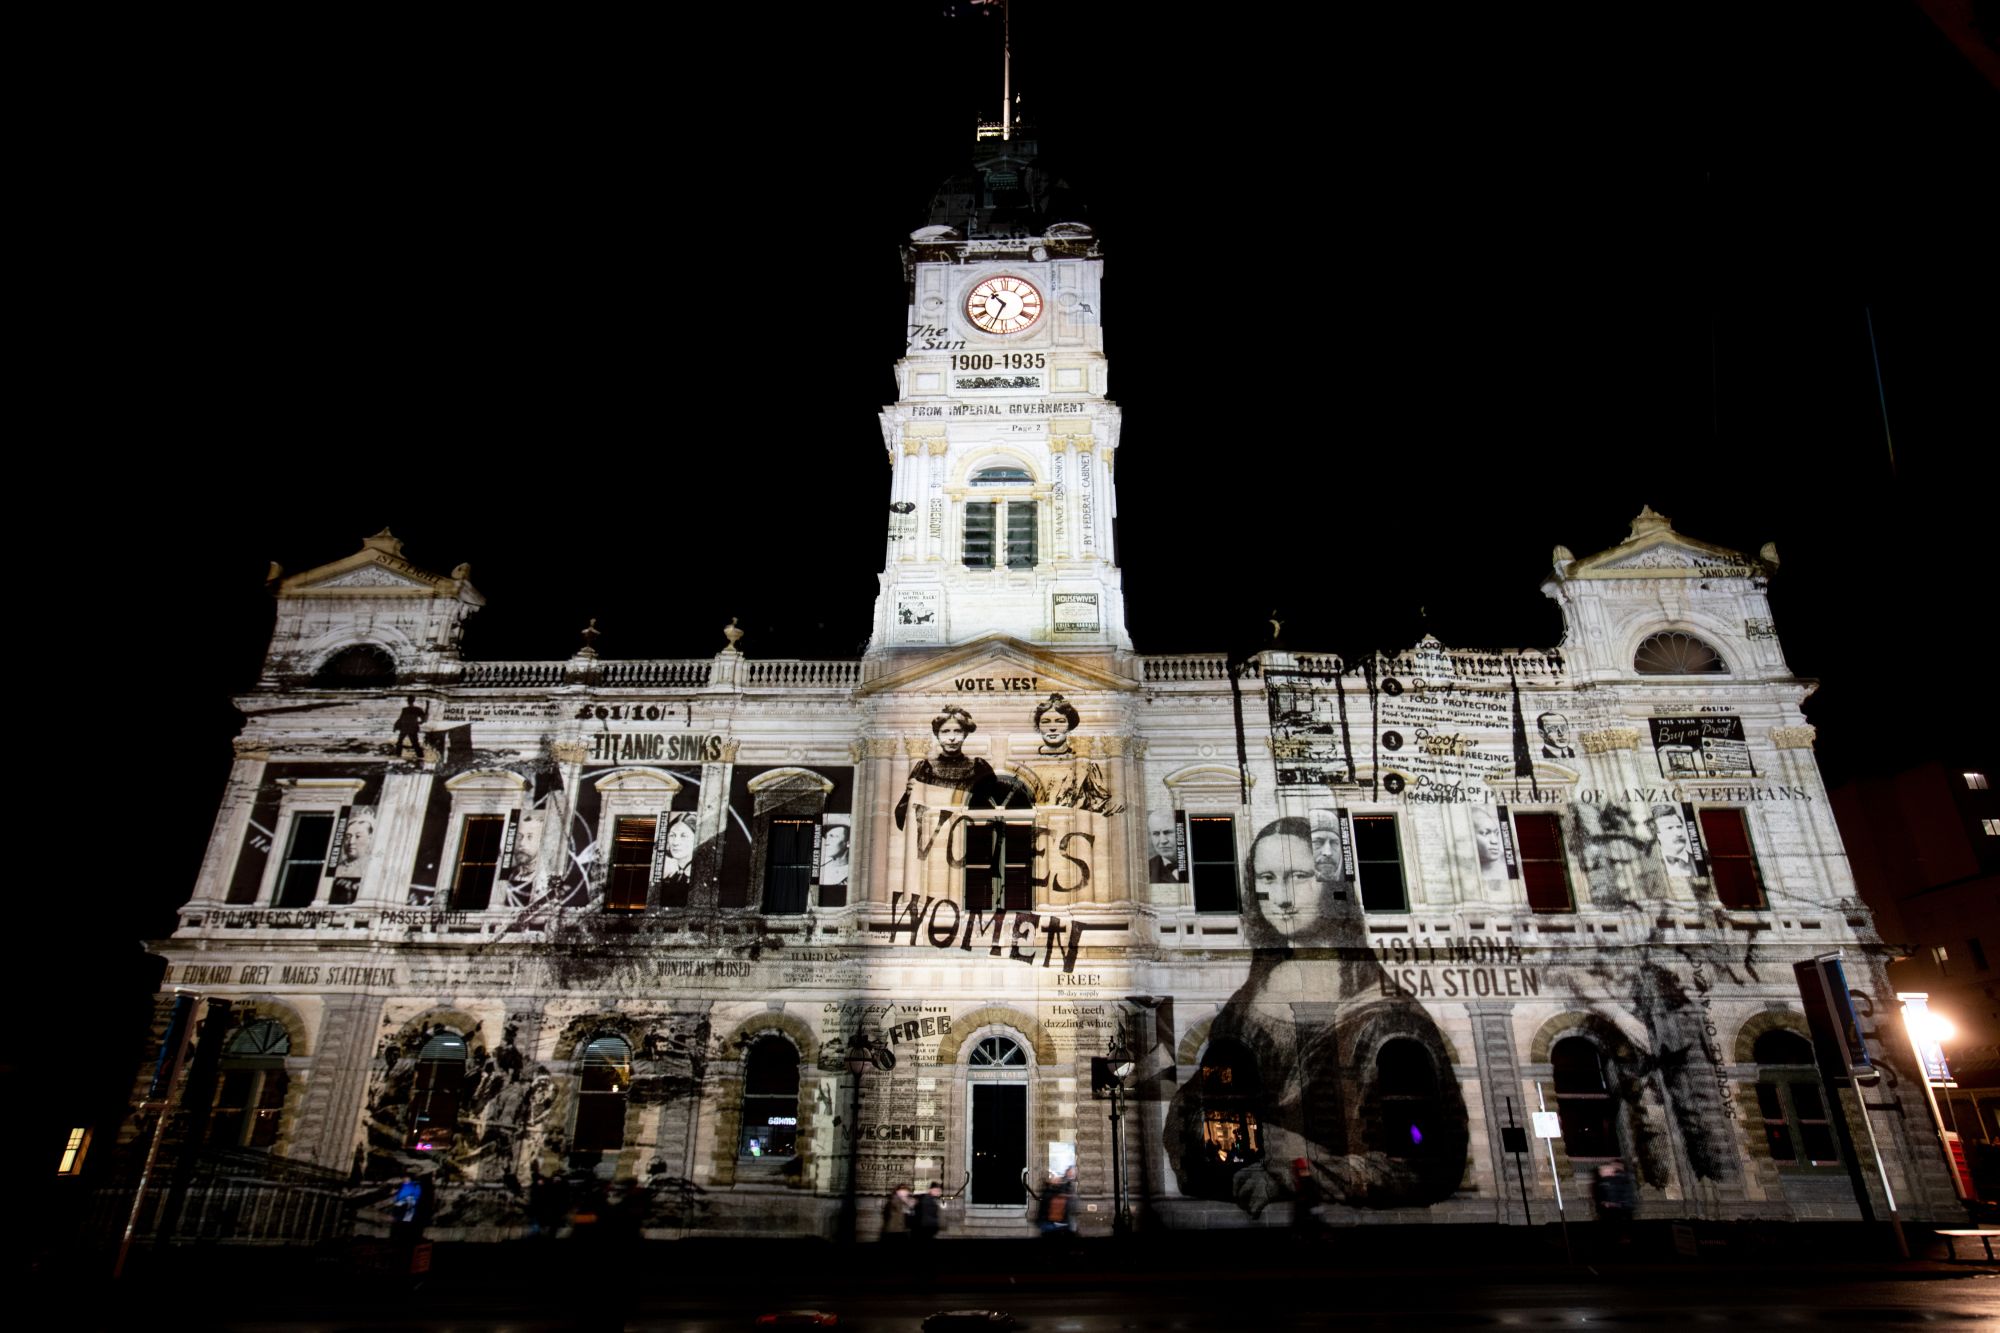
(305, 860)
(979, 515)
(788, 866)
(1544, 867)
(1992, 827)
(1731, 862)
(631, 864)
(1020, 534)
(71, 1162)
(1212, 862)
(478, 862)
(1975, 781)
(999, 865)
(1378, 864)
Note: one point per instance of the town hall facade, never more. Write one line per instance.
(747, 939)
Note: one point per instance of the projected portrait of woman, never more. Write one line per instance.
(1321, 1074)
(950, 777)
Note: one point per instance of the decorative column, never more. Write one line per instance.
(399, 828)
(232, 822)
(937, 537)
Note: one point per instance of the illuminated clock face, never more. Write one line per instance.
(1004, 304)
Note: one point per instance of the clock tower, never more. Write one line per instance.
(1001, 440)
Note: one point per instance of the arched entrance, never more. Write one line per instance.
(997, 1079)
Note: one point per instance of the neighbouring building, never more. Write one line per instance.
(1925, 847)
(638, 923)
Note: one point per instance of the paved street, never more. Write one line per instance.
(614, 1297)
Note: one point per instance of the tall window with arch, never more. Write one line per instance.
(435, 1093)
(770, 1099)
(1408, 1105)
(1588, 1112)
(601, 1094)
(1230, 1136)
(1792, 1101)
(250, 1094)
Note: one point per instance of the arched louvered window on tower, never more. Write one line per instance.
(361, 667)
(1676, 653)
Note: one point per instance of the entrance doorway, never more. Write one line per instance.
(999, 1084)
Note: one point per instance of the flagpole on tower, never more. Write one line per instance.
(1006, 72)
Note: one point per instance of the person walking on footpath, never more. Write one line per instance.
(1617, 1201)
(928, 1218)
(897, 1211)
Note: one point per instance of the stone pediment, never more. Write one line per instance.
(378, 569)
(1654, 550)
(997, 665)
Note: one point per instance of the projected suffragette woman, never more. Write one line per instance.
(1319, 1057)
(952, 776)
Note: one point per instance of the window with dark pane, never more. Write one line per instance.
(1544, 869)
(1789, 1097)
(1212, 862)
(1020, 534)
(631, 874)
(979, 525)
(358, 668)
(1406, 1095)
(770, 1099)
(600, 1098)
(788, 866)
(1378, 864)
(478, 862)
(1583, 1102)
(999, 863)
(1732, 865)
(250, 1092)
(305, 860)
(435, 1091)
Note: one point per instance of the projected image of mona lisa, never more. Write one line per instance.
(1352, 1102)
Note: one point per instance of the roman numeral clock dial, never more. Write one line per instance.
(1004, 304)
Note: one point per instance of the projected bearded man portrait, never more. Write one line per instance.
(1318, 1058)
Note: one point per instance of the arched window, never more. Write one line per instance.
(1583, 1101)
(600, 1098)
(1406, 1092)
(770, 1099)
(361, 667)
(997, 1053)
(1789, 1095)
(1673, 653)
(434, 1097)
(250, 1095)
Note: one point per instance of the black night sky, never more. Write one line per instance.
(1395, 304)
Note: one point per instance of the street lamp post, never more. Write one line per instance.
(1119, 1064)
(860, 1053)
